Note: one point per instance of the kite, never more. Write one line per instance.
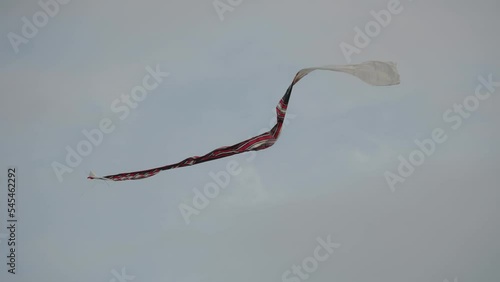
(373, 72)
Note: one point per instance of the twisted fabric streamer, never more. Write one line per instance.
(373, 72)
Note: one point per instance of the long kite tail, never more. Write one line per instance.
(373, 72)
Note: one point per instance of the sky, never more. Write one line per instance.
(347, 168)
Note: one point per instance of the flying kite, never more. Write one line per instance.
(373, 72)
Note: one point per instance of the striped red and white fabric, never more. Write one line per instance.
(373, 72)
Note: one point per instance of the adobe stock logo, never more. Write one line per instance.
(221, 7)
(95, 136)
(372, 29)
(310, 264)
(121, 277)
(454, 116)
(50, 8)
(211, 190)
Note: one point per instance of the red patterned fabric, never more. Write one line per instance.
(375, 73)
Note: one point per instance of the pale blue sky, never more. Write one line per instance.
(324, 176)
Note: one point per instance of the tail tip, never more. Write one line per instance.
(91, 175)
